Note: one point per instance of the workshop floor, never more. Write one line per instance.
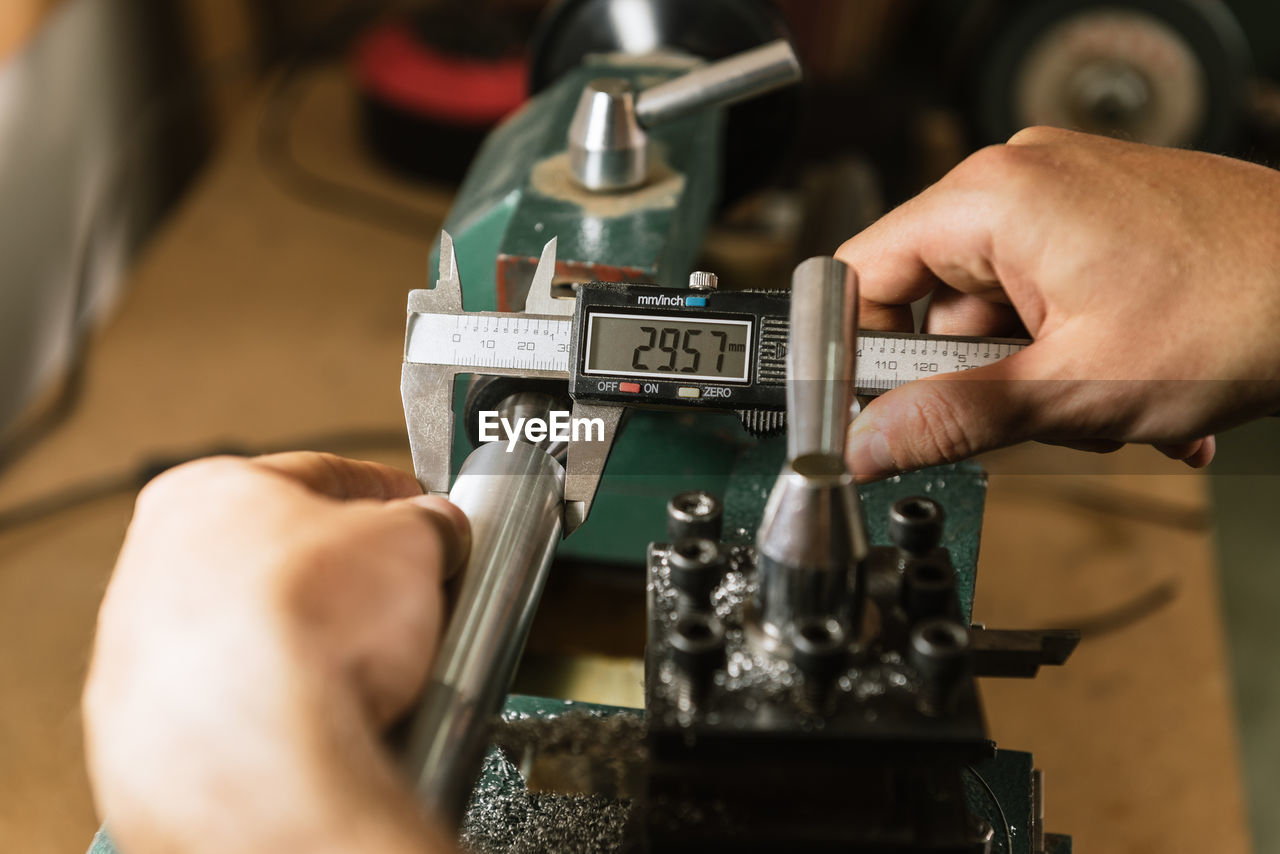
(258, 321)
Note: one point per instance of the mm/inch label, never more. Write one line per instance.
(507, 341)
(886, 361)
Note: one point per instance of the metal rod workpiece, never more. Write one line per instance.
(812, 535)
(728, 81)
(820, 357)
(514, 499)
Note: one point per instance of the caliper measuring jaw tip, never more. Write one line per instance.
(432, 364)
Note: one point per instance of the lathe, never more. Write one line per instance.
(811, 661)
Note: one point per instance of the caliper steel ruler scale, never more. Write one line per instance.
(428, 375)
(621, 345)
(885, 360)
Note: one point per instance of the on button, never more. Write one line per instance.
(629, 388)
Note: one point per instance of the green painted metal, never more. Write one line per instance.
(658, 455)
(661, 242)
(999, 791)
(499, 212)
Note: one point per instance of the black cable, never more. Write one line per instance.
(1008, 831)
(275, 149)
(1131, 505)
(133, 479)
(65, 400)
(1137, 507)
(275, 143)
(1141, 607)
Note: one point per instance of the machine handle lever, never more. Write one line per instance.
(737, 78)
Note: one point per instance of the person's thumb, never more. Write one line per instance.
(949, 418)
(451, 524)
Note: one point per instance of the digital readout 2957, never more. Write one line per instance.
(668, 340)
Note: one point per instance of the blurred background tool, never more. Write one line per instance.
(436, 80)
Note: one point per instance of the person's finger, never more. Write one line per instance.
(955, 416)
(954, 313)
(879, 317)
(452, 525)
(339, 477)
(1197, 454)
(949, 233)
(889, 266)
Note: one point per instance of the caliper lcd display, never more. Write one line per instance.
(648, 345)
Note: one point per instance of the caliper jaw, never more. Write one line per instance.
(427, 389)
(585, 464)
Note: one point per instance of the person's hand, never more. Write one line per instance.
(267, 618)
(1148, 277)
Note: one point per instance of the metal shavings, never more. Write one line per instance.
(505, 818)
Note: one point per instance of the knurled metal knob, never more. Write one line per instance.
(701, 280)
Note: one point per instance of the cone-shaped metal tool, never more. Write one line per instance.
(607, 149)
(809, 545)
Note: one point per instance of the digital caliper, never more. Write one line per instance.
(634, 345)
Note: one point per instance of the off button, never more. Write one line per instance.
(688, 391)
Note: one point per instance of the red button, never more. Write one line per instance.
(629, 388)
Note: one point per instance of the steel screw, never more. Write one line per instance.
(821, 649)
(928, 587)
(939, 651)
(697, 647)
(915, 525)
(694, 514)
(697, 565)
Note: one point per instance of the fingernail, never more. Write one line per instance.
(869, 455)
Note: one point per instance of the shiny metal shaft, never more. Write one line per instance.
(728, 81)
(820, 357)
(514, 500)
(812, 536)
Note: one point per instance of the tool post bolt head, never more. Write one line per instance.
(821, 653)
(915, 525)
(928, 588)
(698, 650)
(697, 565)
(694, 514)
(939, 652)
